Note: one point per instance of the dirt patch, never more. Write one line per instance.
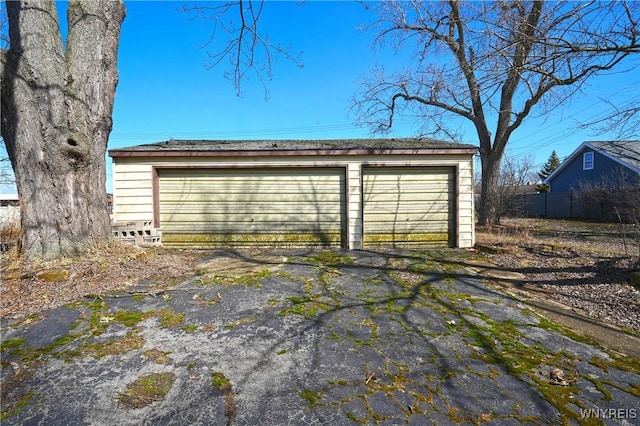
(146, 390)
(24, 291)
(583, 265)
(234, 265)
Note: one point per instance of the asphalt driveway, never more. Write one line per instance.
(311, 337)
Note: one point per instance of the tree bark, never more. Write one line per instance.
(487, 208)
(56, 119)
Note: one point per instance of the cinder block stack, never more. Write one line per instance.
(139, 233)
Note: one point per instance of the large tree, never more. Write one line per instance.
(57, 100)
(492, 65)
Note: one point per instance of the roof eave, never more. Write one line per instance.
(565, 163)
(300, 152)
(613, 157)
(575, 153)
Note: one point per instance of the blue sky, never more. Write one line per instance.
(164, 81)
(166, 91)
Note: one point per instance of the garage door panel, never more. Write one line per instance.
(197, 219)
(244, 236)
(433, 183)
(408, 241)
(407, 173)
(280, 226)
(407, 220)
(408, 207)
(262, 177)
(409, 192)
(221, 228)
(220, 188)
(264, 233)
(287, 206)
(206, 200)
(249, 204)
(391, 226)
(424, 198)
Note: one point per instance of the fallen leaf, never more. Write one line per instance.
(106, 319)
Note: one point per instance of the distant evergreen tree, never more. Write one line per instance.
(552, 163)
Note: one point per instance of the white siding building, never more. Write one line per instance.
(355, 194)
(9, 209)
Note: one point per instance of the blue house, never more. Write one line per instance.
(611, 163)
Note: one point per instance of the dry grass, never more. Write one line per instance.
(104, 268)
(9, 236)
(146, 390)
(584, 265)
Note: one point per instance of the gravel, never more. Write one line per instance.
(583, 265)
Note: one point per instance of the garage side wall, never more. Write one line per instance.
(465, 204)
(132, 191)
(134, 198)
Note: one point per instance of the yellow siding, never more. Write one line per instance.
(466, 213)
(354, 209)
(133, 193)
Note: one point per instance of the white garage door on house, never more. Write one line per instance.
(408, 206)
(252, 207)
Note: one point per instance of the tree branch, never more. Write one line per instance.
(523, 42)
(247, 48)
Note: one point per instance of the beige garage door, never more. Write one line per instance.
(252, 207)
(410, 206)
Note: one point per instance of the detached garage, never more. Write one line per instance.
(355, 194)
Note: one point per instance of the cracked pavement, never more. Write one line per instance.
(314, 337)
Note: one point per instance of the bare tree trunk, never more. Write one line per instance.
(487, 208)
(56, 119)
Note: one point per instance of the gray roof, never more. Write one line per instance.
(269, 145)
